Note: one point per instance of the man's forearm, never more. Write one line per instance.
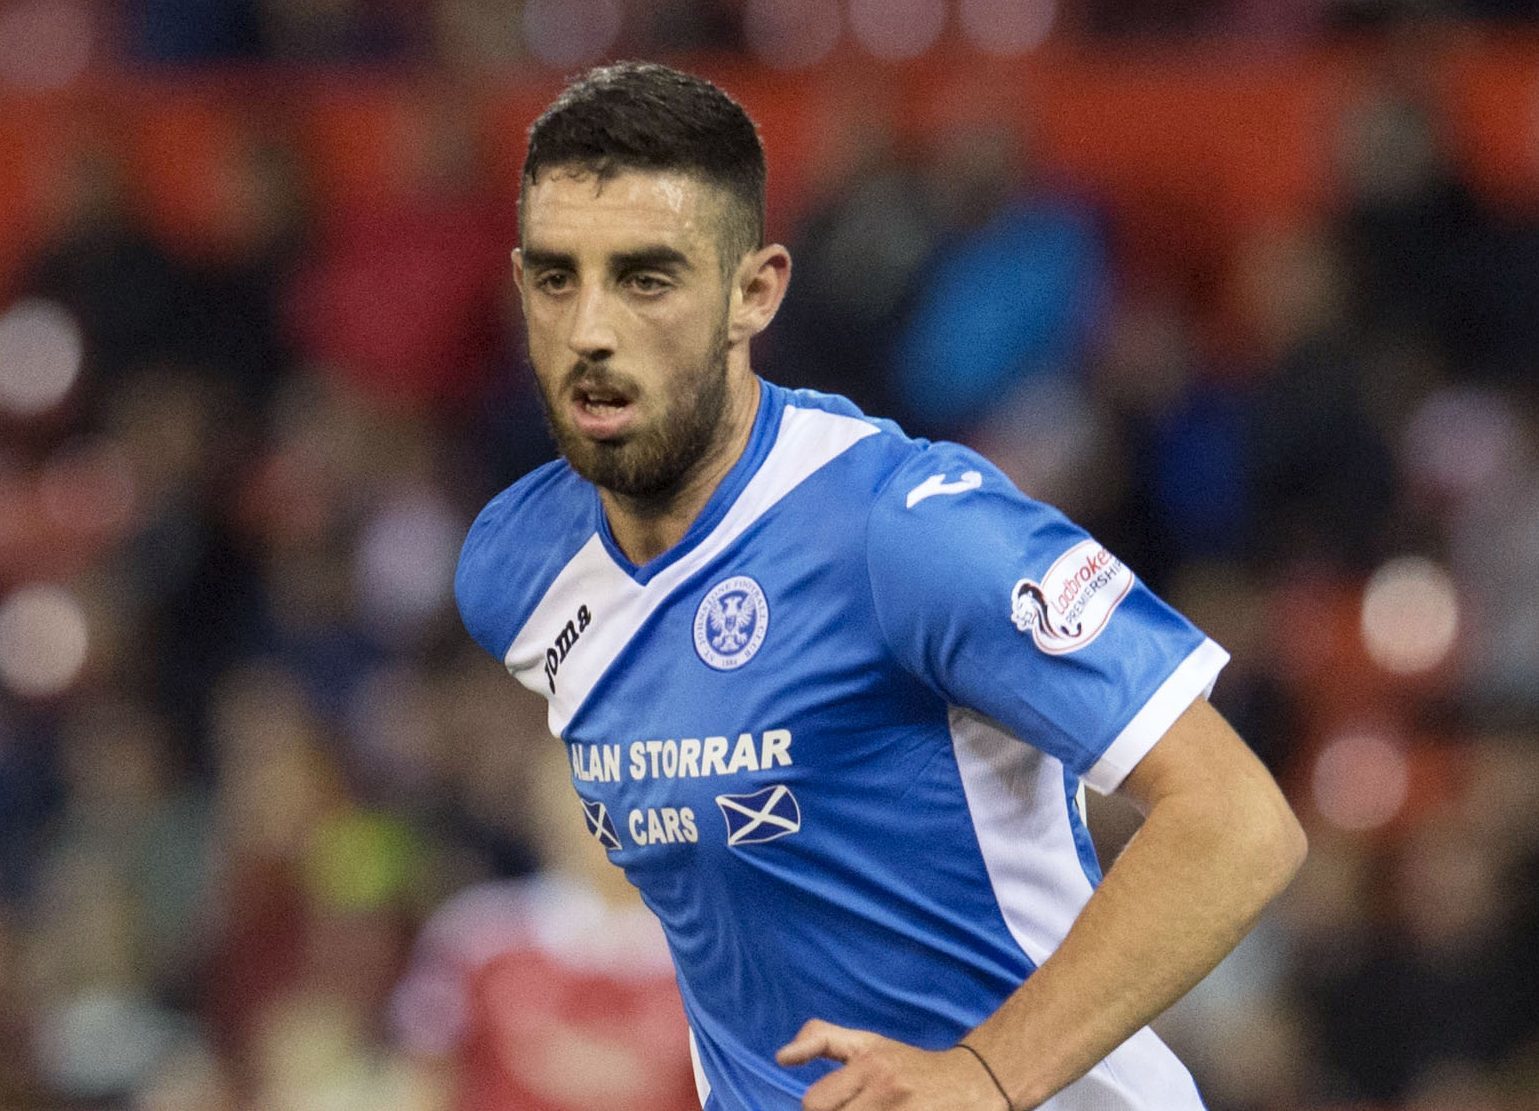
(1189, 885)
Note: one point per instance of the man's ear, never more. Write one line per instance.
(758, 287)
(518, 269)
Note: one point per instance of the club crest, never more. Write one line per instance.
(731, 622)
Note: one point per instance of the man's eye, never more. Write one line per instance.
(553, 281)
(647, 283)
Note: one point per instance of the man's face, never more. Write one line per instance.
(626, 302)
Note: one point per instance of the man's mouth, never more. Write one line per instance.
(601, 412)
(601, 400)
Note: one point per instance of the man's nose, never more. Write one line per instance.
(592, 335)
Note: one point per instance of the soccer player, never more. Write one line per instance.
(830, 693)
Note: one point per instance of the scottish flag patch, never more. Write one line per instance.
(761, 816)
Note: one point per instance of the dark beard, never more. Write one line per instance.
(651, 466)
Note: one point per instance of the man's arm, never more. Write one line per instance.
(1217, 844)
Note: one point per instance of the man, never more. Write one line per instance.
(829, 693)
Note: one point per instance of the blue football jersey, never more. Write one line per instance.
(837, 735)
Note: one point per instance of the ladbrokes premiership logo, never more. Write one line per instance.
(1074, 601)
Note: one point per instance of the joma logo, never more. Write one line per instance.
(556, 653)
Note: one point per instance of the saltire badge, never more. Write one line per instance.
(597, 817)
(761, 816)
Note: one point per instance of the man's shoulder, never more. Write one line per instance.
(884, 446)
(518, 543)
(943, 501)
(836, 404)
(937, 484)
(904, 482)
(549, 486)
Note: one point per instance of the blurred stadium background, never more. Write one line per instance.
(1249, 288)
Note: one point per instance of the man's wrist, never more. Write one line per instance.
(1004, 1095)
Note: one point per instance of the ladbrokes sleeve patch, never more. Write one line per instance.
(1074, 601)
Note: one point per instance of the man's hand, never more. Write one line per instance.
(881, 1073)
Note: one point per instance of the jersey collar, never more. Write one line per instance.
(761, 438)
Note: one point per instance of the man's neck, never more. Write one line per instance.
(645, 530)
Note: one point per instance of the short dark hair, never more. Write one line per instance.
(645, 116)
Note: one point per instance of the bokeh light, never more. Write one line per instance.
(100, 1043)
(1410, 615)
(42, 640)
(1461, 441)
(565, 33)
(791, 34)
(405, 561)
(41, 349)
(45, 44)
(1361, 780)
(1007, 27)
(895, 30)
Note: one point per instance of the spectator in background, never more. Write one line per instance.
(316, 891)
(477, 768)
(263, 217)
(1321, 473)
(1493, 534)
(182, 579)
(1425, 252)
(110, 941)
(101, 262)
(859, 253)
(214, 312)
(1438, 924)
(328, 456)
(1175, 489)
(277, 783)
(553, 993)
(1008, 297)
(403, 296)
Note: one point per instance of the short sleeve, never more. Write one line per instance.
(1003, 606)
(516, 547)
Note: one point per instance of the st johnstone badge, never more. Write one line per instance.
(731, 622)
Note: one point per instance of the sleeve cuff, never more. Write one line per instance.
(1192, 678)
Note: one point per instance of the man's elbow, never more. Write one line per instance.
(1280, 845)
(1259, 837)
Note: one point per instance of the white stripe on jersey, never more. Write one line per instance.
(807, 440)
(1015, 794)
(702, 1083)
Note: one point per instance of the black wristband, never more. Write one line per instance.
(1009, 1106)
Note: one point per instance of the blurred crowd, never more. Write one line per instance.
(275, 835)
(476, 34)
